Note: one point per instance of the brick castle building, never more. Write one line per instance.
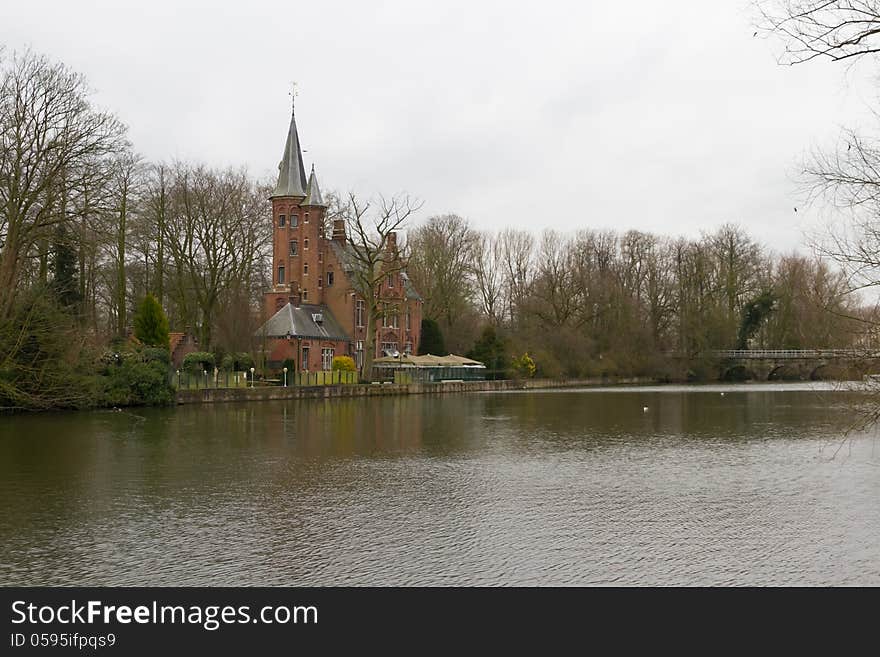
(313, 311)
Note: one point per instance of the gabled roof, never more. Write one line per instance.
(291, 172)
(313, 192)
(300, 322)
(345, 255)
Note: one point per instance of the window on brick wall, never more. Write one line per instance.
(294, 247)
(329, 278)
(306, 244)
(281, 221)
(280, 273)
(294, 220)
(408, 320)
(306, 269)
(359, 310)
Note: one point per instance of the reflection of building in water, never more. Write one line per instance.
(319, 428)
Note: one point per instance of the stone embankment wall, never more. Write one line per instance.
(267, 393)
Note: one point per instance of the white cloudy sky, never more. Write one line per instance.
(667, 117)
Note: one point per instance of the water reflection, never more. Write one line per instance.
(560, 487)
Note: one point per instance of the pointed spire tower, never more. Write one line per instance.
(291, 172)
(298, 238)
(313, 192)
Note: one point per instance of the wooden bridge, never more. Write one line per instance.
(795, 364)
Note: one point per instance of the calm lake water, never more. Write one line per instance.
(757, 485)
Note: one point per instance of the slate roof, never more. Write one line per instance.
(313, 192)
(349, 262)
(298, 322)
(291, 172)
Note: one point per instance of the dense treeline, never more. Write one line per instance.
(89, 230)
(601, 302)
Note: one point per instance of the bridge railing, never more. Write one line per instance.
(803, 354)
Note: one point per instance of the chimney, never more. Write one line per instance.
(392, 241)
(339, 230)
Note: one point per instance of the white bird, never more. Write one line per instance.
(722, 394)
(644, 409)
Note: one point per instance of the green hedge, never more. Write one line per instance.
(198, 361)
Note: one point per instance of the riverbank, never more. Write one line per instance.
(271, 393)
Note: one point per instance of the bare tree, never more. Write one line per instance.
(216, 235)
(488, 276)
(125, 188)
(47, 127)
(441, 269)
(376, 254)
(834, 29)
(517, 249)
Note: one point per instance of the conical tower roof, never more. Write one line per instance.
(291, 172)
(313, 192)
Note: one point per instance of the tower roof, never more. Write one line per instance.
(291, 172)
(313, 192)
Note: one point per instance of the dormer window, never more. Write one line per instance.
(281, 221)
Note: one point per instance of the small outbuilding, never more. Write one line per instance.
(406, 368)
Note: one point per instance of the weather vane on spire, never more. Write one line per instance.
(292, 97)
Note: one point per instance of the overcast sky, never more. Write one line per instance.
(663, 116)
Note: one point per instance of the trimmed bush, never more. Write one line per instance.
(343, 364)
(198, 361)
(236, 362)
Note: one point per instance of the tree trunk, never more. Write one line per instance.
(120, 268)
(369, 342)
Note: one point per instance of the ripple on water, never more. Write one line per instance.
(529, 488)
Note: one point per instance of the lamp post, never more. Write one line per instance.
(285, 377)
(252, 377)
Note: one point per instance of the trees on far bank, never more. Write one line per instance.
(599, 302)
